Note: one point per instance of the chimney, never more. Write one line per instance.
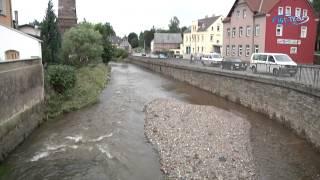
(16, 18)
(206, 16)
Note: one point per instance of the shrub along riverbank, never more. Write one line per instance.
(89, 82)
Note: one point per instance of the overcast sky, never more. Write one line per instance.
(129, 15)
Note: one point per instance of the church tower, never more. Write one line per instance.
(67, 14)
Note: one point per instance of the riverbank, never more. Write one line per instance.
(90, 81)
(199, 142)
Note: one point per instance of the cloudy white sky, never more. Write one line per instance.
(129, 15)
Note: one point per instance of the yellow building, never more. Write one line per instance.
(204, 36)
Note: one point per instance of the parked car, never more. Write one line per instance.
(234, 64)
(274, 63)
(213, 59)
(162, 56)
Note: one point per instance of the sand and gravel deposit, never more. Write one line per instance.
(199, 142)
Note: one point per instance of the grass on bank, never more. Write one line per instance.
(90, 81)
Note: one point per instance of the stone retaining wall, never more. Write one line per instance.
(292, 104)
(21, 97)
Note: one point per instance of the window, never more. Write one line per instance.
(202, 49)
(256, 48)
(247, 50)
(271, 59)
(248, 30)
(2, 7)
(218, 28)
(293, 50)
(12, 54)
(288, 11)
(305, 13)
(211, 37)
(298, 12)
(212, 28)
(238, 13)
(304, 30)
(227, 50)
(198, 49)
(257, 30)
(279, 30)
(233, 32)
(240, 31)
(240, 50)
(244, 13)
(202, 38)
(233, 50)
(280, 11)
(198, 40)
(228, 32)
(218, 41)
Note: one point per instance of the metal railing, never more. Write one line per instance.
(308, 75)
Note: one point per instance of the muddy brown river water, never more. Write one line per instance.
(107, 141)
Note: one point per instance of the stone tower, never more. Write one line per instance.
(67, 14)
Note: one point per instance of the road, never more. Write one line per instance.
(107, 141)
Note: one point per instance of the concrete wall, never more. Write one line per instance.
(294, 105)
(21, 97)
(26, 45)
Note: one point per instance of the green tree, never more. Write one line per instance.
(82, 45)
(141, 39)
(148, 37)
(50, 36)
(133, 40)
(174, 25)
(106, 30)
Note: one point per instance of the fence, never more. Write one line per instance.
(308, 75)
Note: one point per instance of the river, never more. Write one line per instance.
(107, 141)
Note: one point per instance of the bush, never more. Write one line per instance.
(121, 54)
(61, 77)
(82, 45)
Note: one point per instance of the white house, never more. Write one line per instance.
(15, 45)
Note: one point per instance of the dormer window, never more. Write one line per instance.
(305, 13)
(280, 11)
(298, 12)
(288, 11)
(244, 13)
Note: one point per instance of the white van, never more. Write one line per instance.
(211, 59)
(274, 63)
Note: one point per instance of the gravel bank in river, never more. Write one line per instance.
(199, 142)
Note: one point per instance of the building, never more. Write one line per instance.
(124, 44)
(30, 30)
(6, 13)
(115, 41)
(204, 36)
(18, 45)
(67, 15)
(275, 26)
(165, 42)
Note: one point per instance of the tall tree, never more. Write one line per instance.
(148, 37)
(141, 39)
(133, 40)
(106, 30)
(50, 36)
(174, 25)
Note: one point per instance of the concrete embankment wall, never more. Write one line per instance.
(21, 98)
(294, 105)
